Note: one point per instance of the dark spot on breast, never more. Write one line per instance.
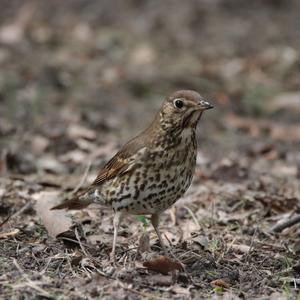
(122, 187)
(137, 179)
(156, 201)
(136, 194)
(152, 186)
(124, 197)
(157, 177)
(164, 183)
(150, 196)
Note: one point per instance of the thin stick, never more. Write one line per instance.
(80, 244)
(73, 241)
(21, 210)
(193, 216)
(281, 225)
(83, 178)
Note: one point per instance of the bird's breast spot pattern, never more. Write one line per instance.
(154, 187)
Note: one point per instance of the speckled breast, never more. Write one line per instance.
(157, 181)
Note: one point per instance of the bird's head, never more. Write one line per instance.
(183, 109)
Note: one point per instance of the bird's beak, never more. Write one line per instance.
(204, 105)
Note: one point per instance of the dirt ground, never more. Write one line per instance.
(79, 78)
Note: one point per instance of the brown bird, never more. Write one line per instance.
(153, 170)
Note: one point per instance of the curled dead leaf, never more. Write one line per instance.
(55, 221)
(144, 243)
(220, 283)
(163, 265)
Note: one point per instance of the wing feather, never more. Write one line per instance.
(121, 163)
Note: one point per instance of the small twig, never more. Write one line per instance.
(80, 244)
(290, 280)
(47, 265)
(73, 241)
(252, 242)
(21, 210)
(70, 266)
(281, 225)
(212, 220)
(83, 179)
(193, 216)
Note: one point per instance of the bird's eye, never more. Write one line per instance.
(178, 103)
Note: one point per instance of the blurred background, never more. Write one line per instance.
(75, 74)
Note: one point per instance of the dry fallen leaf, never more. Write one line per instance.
(50, 164)
(202, 240)
(144, 243)
(220, 283)
(76, 131)
(4, 235)
(55, 221)
(39, 143)
(76, 258)
(163, 265)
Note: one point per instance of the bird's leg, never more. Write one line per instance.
(117, 221)
(155, 223)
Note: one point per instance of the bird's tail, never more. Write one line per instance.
(79, 201)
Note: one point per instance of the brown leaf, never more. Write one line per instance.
(76, 258)
(220, 283)
(55, 221)
(76, 131)
(144, 243)
(163, 265)
(4, 235)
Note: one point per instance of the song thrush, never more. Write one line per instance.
(153, 170)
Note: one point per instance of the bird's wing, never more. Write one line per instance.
(122, 162)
